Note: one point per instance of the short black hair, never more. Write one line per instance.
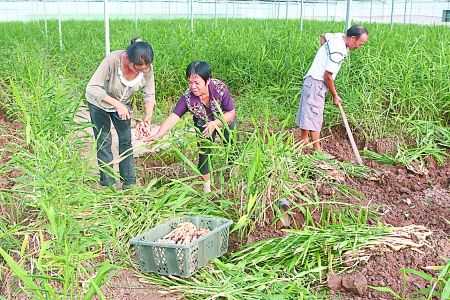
(140, 52)
(200, 68)
(356, 31)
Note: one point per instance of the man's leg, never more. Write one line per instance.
(315, 136)
(304, 136)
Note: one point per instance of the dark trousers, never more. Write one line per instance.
(204, 156)
(102, 130)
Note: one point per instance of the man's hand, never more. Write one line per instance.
(122, 111)
(210, 127)
(337, 100)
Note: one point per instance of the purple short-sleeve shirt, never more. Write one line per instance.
(220, 100)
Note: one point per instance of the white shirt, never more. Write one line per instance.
(329, 57)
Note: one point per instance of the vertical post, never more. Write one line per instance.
(106, 22)
(410, 10)
(234, 9)
(301, 15)
(404, 11)
(327, 11)
(392, 14)
(348, 18)
(60, 28)
(135, 18)
(287, 9)
(191, 13)
(371, 10)
(45, 19)
(278, 9)
(169, 8)
(33, 16)
(215, 11)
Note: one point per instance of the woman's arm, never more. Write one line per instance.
(228, 108)
(122, 109)
(228, 117)
(166, 126)
(96, 89)
(149, 106)
(149, 96)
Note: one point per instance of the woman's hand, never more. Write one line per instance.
(210, 127)
(143, 130)
(122, 111)
(154, 136)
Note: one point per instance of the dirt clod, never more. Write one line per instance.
(355, 283)
(334, 282)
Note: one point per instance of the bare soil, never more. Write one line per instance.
(126, 285)
(402, 197)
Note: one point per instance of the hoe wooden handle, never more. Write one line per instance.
(350, 136)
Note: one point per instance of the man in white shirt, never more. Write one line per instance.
(320, 79)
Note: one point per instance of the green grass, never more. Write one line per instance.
(281, 268)
(59, 230)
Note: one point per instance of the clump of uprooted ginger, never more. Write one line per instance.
(184, 234)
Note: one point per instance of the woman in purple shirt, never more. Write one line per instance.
(211, 105)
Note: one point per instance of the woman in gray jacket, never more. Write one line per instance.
(108, 93)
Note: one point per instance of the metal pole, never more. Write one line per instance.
(404, 11)
(335, 11)
(287, 8)
(301, 15)
(392, 14)
(60, 28)
(348, 18)
(410, 10)
(33, 17)
(215, 12)
(327, 11)
(45, 20)
(278, 9)
(169, 8)
(135, 17)
(234, 10)
(191, 11)
(106, 22)
(371, 9)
